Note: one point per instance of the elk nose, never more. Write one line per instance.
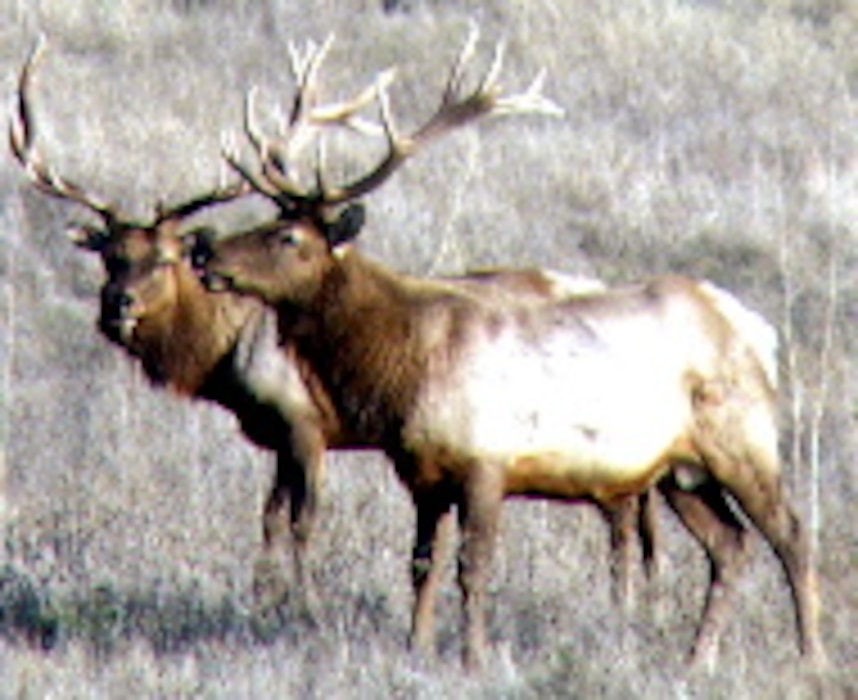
(124, 301)
(117, 319)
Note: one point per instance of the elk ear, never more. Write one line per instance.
(88, 237)
(346, 226)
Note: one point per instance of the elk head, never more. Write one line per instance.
(144, 261)
(286, 259)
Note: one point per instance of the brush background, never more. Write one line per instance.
(705, 137)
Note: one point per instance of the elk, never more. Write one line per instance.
(225, 348)
(668, 383)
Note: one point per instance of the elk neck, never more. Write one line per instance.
(362, 332)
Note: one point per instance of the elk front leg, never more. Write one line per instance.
(479, 519)
(299, 479)
(649, 532)
(434, 521)
(622, 517)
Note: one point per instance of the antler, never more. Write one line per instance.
(45, 178)
(21, 140)
(223, 193)
(454, 111)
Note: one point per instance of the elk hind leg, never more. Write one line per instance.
(632, 515)
(649, 532)
(757, 485)
(738, 439)
(707, 515)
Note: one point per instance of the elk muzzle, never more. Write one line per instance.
(118, 319)
(203, 259)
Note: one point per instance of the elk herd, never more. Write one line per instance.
(478, 387)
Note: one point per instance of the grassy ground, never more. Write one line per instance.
(708, 137)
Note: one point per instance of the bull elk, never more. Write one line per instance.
(225, 348)
(596, 397)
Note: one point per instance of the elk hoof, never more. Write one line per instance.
(270, 587)
(473, 660)
(816, 660)
(704, 658)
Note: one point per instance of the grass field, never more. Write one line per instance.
(713, 138)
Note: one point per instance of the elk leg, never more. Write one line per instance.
(744, 458)
(299, 479)
(761, 495)
(707, 515)
(649, 532)
(269, 583)
(621, 517)
(783, 529)
(479, 519)
(434, 521)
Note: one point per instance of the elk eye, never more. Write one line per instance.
(287, 237)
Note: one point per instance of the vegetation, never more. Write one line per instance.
(705, 137)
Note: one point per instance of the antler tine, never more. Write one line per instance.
(489, 83)
(270, 155)
(22, 143)
(386, 114)
(251, 129)
(531, 101)
(306, 70)
(345, 113)
(20, 128)
(457, 71)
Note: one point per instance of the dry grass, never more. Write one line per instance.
(706, 137)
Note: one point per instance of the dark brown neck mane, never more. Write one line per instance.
(363, 335)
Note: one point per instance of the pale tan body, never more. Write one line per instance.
(645, 380)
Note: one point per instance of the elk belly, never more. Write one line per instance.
(548, 476)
